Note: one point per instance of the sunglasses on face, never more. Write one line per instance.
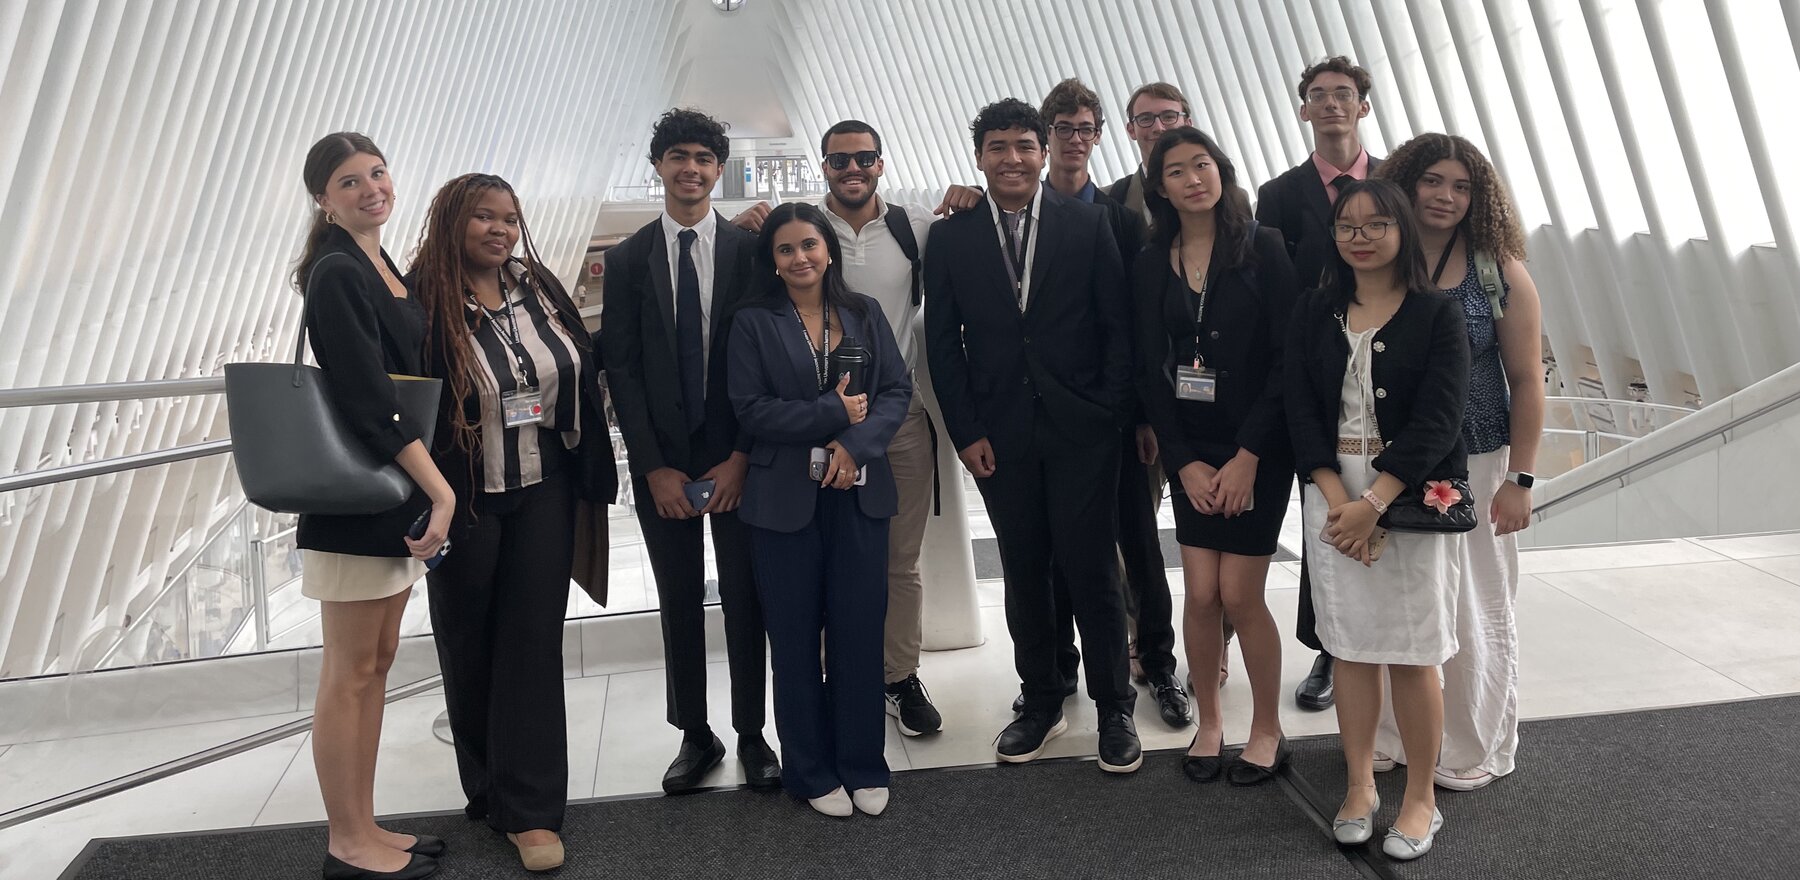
(840, 161)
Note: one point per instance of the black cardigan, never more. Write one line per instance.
(1247, 314)
(360, 332)
(1420, 371)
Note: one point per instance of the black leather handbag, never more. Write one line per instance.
(292, 450)
(1442, 507)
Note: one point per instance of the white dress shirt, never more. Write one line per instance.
(702, 254)
(1027, 228)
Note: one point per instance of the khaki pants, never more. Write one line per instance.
(910, 457)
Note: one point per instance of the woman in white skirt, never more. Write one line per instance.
(364, 327)
(1471, 236)
(1376, 378)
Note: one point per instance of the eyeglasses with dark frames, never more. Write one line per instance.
(1167, 117)
(1373, 230)
(1068, 131)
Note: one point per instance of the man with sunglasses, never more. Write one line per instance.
(1075, 119)
(1153, 109)
(1334, 97)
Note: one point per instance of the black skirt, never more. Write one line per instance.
(1253, 533)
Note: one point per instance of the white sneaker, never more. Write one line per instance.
(1385, 762)
(836, 804)
(870, 800)
(1462, 780)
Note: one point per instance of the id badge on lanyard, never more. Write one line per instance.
(1197, 382)
(522, 407)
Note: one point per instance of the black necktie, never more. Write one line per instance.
(690, 349)
(1340, 182)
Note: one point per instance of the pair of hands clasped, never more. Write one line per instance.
(1223, 491)
(842, 472)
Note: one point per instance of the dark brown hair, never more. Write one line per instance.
(1068, 98)
(1492, 222)
(325, 156)
(441, 283)
(1337, 64)
(1231, 215)
(1157, 90)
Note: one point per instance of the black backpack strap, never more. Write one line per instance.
(901, 228)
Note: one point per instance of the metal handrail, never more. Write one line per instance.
(1683, 446)
(102, 467)
(199, 759)
(1608, 401)
(149, 389)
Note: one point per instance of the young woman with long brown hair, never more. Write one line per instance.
(522, 434)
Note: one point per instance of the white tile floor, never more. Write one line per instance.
(1602, 629)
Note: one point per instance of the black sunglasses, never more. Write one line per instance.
(864, 159)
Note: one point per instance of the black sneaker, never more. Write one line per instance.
(911, 707)
(1024, 739)
(1119, 748)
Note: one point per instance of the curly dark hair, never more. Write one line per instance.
(1069, 97)
(1492, 223)
(1008, 113)
(1409, 263)
(686, 126)
(1337, 64)
(848, 126)
(1231, 215)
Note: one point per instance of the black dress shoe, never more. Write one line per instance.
(1242, 772)
(1018, 704)
(1171, 700)
(338, 869)
(1120, 751)
(1204, 768)
(762, 770)
(1315, 691)
(691, 765)
(426, 845)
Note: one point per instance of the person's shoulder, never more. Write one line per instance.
(638, 241)
(1267, 242)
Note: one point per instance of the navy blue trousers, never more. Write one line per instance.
(827, 579)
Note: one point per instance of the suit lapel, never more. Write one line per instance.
(661, 290)
(725, 272)
(1049, 237)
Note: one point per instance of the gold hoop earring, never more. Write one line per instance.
(330, 219)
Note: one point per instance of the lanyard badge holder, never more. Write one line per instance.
(524, 405)
(1198, 382)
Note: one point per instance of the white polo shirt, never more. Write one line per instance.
(875, 266)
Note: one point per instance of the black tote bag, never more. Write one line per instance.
(292, 449)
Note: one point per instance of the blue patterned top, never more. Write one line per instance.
(1487, 423)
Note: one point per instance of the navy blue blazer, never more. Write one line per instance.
(774, 389)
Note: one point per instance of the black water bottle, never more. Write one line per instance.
(849, 357)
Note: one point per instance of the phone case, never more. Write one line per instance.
(698, 493)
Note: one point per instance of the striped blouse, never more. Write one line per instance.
(551, 361)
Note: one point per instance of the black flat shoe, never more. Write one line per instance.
(1171, 700)
(691, 765)
(762, 770)
(426, 845)
(1316, 693)
(1242, 772)
(1204, 768)
(338, 869)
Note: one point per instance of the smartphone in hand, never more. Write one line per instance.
(418, 531)
(699, 493)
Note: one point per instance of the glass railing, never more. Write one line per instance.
(1580, 429)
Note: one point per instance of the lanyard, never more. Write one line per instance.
(509, 333)
(1015, 254)
(817, 354)
(1200, 310)
(1444, 258)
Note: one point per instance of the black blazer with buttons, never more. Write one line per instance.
(637, 333)
(1247, 311)
(1420, 373)
(1071, 345)
(1295, 203)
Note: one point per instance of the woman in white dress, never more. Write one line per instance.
(1376, 379)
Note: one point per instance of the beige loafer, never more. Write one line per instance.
(543, 857)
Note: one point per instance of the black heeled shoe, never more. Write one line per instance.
(1204, 768)
(338, 869)
(426, 845)
(1243, 772)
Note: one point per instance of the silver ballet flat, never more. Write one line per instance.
(1351, 832)
(1402, 848)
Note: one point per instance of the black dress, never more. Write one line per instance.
(1240, 336)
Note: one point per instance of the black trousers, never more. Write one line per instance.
(829, 577)
(1061, 495)
(497, 604)
(678, 561)
(1146, 582)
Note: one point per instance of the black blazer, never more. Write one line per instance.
(775, 390)
(1071, 346)
(596, 476)
(1131, 233)
(1295, 203)
(1247, 311)
(360, 332)
(637, 332)
(1421, 376)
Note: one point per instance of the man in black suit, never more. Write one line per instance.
(1334, 97)
(1026, 322)
(1073, 114)
(670, 292)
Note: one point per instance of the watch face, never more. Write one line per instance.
(1524, 480)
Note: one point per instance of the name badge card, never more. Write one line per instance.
(522, 407)
(1196, 383)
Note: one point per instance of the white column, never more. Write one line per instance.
(951, 616)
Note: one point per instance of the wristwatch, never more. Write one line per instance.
(1374, 501)
(1523, 479)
